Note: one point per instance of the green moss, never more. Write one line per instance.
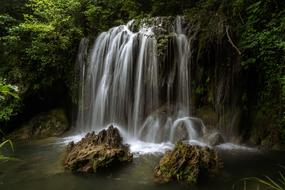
(187, 163)
(162, 44)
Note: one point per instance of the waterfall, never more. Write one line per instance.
(128, 83)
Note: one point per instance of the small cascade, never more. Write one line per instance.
(128, 82)
(81, 60)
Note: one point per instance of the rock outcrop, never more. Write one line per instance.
(97, 151)
(187, 163)
(215, 138)
(44, 125)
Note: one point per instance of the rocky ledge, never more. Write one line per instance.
(187, 163)
(44, 125)
(96, 152)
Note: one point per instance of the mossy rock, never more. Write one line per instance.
(187, 163)
(214, 138)
(44, 125)
(97, 152)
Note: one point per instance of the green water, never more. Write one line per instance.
(40, 168)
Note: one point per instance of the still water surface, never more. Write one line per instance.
(40, 168)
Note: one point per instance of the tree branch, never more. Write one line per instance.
(231, 42)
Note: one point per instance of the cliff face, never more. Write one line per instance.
(218, 88)
(225, 93)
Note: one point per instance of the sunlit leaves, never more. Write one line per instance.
(52, 27)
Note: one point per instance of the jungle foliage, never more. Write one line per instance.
(256, 31)
(7, 92)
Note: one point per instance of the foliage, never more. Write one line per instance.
(271, 184)
(263, 47)
(6, 90)
(38, 47)
(44, 42)
(171, 7)
(104, 14)
(277, 183)
(9, 100)
(255, 30)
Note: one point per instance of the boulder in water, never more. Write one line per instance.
(97, 151)
(215, 139)
(187, 163)
(181, 133)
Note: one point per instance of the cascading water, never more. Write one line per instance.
(128, 83)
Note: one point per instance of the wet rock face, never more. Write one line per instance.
(97, 151)
(187, 163)
(215, 139)
(181, 133)
(111, 137)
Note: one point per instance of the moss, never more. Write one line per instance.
(97, 152)
(103, 161)
(187, 163)
(162, 44)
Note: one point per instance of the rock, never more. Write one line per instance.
(111, 136)
(188, 128)
(97, 151)
(215, 139)
(181, 133)
(187, 163)
(279, 147)
(49, 124)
